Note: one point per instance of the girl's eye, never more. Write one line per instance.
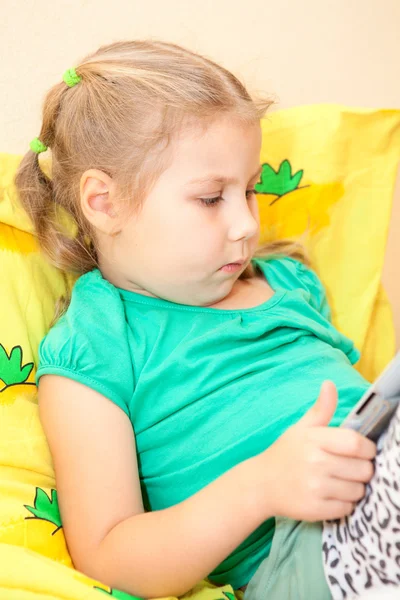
(218, 199)
(210, 201)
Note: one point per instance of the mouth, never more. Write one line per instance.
(233, 266)
(240, 261)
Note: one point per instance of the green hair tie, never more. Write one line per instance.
(71, 77)
(37, 146)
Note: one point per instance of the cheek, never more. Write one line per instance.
(253, 205)
(256, 213)
(193, 223)
(151, 229)
(183, 234)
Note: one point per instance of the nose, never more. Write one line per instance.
(243, 221)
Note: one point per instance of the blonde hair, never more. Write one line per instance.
(133, 97)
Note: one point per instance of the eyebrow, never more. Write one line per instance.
(214, 178)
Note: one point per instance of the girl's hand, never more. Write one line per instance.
(315, 472)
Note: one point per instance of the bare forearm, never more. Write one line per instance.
(167, 552)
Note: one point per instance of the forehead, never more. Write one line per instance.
(219, 178)
(223, 152)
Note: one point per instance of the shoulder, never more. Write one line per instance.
(95, 309)
(289, 273)
(90, 342)
(93, 294)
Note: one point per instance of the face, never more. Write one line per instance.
(188, 229)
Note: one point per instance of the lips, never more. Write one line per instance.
(235, 262)
(232, 267)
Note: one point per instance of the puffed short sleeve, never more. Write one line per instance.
(90, 342)
(319, 301)
(290, 274)
(318, 298)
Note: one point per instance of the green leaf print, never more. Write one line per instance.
(229, 595)
(46, 508)
(118, 594)
(279, 182)
(11, 370)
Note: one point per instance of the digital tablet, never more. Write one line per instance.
(373, 412)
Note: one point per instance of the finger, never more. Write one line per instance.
(351, 469)
(345, 442)
(335, 509)
(344, 491)
(323, 409)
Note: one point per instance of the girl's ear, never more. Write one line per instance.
(98, 201)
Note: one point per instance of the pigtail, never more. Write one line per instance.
(39, 199)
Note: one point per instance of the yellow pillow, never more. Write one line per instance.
(328, 177)
(329, 171)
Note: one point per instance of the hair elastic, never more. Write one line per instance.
(71, 77)
(37, 146)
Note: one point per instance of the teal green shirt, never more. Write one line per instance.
(205, 388)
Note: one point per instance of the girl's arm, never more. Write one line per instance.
(109, 535)
(311, 472)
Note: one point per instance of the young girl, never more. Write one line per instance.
(178, 390)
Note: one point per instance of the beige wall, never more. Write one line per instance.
(304, 51)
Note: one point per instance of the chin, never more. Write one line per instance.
(220, 298)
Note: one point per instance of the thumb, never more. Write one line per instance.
(320, 414)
